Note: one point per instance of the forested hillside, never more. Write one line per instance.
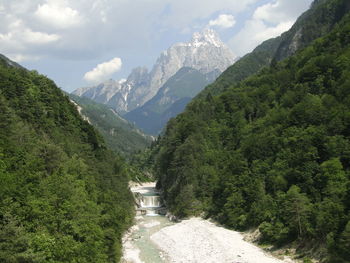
(63, 195)
(120, 135)
(314, 23)
(271, 152)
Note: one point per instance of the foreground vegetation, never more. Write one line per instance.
(63, 195)
(271, 152)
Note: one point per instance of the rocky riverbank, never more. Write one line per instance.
(156, 239)
(198, 240)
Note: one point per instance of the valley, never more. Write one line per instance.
(235, 136)
(155, 239)
(150, 99)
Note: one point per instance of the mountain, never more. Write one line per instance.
(170, 100)
(314, 23)
(64, 196)
(272, 151)
(120, 135)
(9, 62)
(205, 53)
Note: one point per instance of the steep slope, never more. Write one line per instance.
(120, 135)
(271, 152)
(205, 53)
(314, 23)
(101, 93)
(319, 20)
(9, 62)
(170, 100)
(63, 196)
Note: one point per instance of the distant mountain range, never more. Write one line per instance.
(205, 54)
(170, 100)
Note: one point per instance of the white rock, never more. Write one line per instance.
(205, 52)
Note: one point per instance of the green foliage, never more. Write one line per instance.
(141, 165)
(247, 65)
(63, 195)
(297, 210)
(314, 23)
(170, 100)
(120, 135)
(271, 151)
(344, 241)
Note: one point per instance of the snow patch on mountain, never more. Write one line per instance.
(205, 53)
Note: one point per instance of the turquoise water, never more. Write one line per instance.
(148, 225)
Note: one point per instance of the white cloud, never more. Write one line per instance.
(269, 32)
(255, 32)
(89, 29)
(19, 38)
(268, 21)
(223, 20)
(58, 15)
(103, 71)
(184, 12)
(38, 38)
(281, 10)
(264, 12)
(78, 32)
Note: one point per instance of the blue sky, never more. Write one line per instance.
(100, 39)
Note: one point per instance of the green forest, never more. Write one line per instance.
(266, 147)
(63, 194)
(120, 135)
(272, 151)
(314, 23)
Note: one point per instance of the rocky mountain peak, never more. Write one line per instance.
(109, 82)
(207, 36)
(138, 76)
(205, 52)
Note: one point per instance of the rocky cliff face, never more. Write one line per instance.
(314, 23)
(205, 53)
(101, 93)
(170, 100)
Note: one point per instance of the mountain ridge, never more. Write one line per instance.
(205, 52)
(120, 136)
(170, 100)
(271, 151)
(313, 23)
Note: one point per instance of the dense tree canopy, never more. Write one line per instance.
(272, 151)
(120, 135)
(63, 195)
(314, 23)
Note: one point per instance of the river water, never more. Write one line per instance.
(155, 239)
(137, 245)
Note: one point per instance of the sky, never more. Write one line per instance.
(80, 43)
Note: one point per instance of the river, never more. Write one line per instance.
(155, 239)
(137, 244)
